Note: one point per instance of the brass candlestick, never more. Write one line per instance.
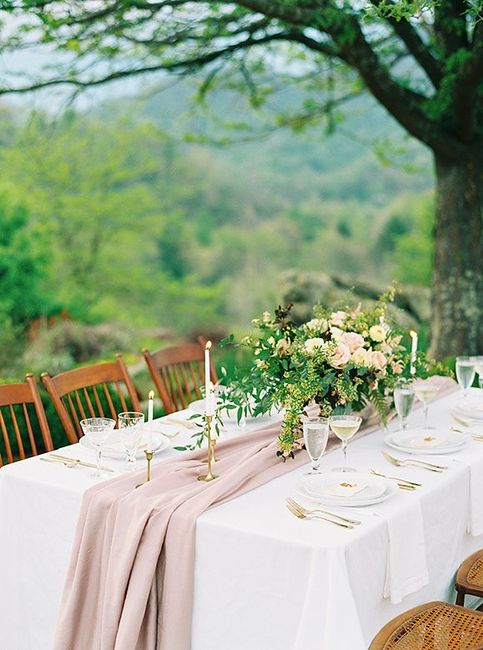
(209, 476)
(149, 457)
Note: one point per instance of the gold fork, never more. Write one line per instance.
(413, 462)
(300, 515)
(306, 511)
(69, 461)
(401, 481)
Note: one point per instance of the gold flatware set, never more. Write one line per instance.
(413, 462)
(68, 461)
(301, 512)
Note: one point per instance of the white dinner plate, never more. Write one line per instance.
(472, 408)
(319, 487)
(416, 441)
(113, 449)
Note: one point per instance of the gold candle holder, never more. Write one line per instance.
(209, 476)
(149, 457)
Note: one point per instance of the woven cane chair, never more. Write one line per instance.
(178, 372)
(469, 579)
(23, 424)
(433, 626)
(104, 390)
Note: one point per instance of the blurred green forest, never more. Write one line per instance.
(111, 215)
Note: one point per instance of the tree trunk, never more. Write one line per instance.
(456, 326)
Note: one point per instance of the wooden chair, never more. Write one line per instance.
(104, 390)
(433, 626)
(469, 579)
(178, 372)
(19, 438)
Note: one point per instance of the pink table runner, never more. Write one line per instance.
(129, 585)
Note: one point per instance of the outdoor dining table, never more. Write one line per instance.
(264, 580)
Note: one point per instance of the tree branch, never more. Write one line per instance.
(415, 45)
(185, 65)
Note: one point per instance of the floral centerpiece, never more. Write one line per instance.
(339, 360)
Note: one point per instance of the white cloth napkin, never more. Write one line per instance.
(406, 568)
(475, 523)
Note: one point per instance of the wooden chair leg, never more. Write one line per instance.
(460, 598)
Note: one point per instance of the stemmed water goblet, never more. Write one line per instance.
(344, 427)
(97, 431)
(403, 401)
(130, 433)
(478, 361)
(316, 434)
(465, 373)
(425, 391)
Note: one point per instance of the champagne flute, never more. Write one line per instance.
(130, 433)
(97, 431)
(344, 427)
(425, 391)
(478, 361)
(465, 373)
(316, 434)
(403, 401)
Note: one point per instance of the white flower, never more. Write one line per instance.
(340, 355)
(379, 361)
(361, 358)
(271, 340)
(338, 318)
(312, 345)
(337, 333)
(282, 347)
(317, 324)
(377, 333)
(267, 317)
(260, 364)
(353, 340)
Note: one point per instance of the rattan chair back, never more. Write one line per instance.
(433, 626)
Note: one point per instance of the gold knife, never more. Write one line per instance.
(56, 458)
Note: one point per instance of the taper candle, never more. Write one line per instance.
(414, 348)
(149, 445)
(209, 410)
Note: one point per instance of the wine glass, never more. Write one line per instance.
(478, 361)
(425, 391)
(130, 433)
(465, 373)
(344, 427)
(316, 434)
(403, 401)
(97, 431)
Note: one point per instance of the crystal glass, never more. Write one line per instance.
(403, 401)
(130, 433)
(425, 391)
(316, 434)
(465, 373)
(344, 427)
(97, 431)
(478, 361)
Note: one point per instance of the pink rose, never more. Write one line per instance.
(379, 361)
(397, 367)
(353, 341)
(340, 356)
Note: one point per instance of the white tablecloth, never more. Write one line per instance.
(263, 579)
